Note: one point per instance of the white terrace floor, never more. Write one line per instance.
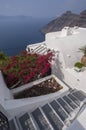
(79, 78)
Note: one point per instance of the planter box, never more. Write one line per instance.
(16, 106)
(22, 90)
(79, 69)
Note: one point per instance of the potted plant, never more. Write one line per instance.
(78, 66)
(83, 59)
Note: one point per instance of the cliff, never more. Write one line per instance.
(66, 19)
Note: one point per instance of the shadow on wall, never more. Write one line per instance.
(56, 69)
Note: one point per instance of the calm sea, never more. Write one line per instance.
(17, 33)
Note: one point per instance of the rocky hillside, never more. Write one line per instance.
(82, 19)
(66, 19)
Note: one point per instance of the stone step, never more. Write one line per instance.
(81, 96)
(39, 49)
(53, 118)
(65, 106)
(74, 99)
(44, 52)
(59, 110)
(13, 124)
(4, 123)
(70, 102)
(41, 120)
(25, 122)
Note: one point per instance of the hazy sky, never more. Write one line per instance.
(40, 8)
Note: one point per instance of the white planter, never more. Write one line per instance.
(16, 106)
(79, 69)
(29, 85)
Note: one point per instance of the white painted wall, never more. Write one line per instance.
(5, 93)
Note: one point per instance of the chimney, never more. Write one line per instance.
(66, 31)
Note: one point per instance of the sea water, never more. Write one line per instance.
(17, 33)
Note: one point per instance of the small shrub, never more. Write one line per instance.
(79, 65)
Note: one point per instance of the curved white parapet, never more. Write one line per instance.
(5, 93)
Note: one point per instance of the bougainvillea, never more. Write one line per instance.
(24, 68)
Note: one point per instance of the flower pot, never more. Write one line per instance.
(79, 69)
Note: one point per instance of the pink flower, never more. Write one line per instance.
(27, 79)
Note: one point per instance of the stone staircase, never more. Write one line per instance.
(40, 49)
(55, 115)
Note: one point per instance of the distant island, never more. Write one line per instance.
(66, 19)
(12, 17)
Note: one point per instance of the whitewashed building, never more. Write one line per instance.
(64, 110)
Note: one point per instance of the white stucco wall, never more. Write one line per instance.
(5, 93)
